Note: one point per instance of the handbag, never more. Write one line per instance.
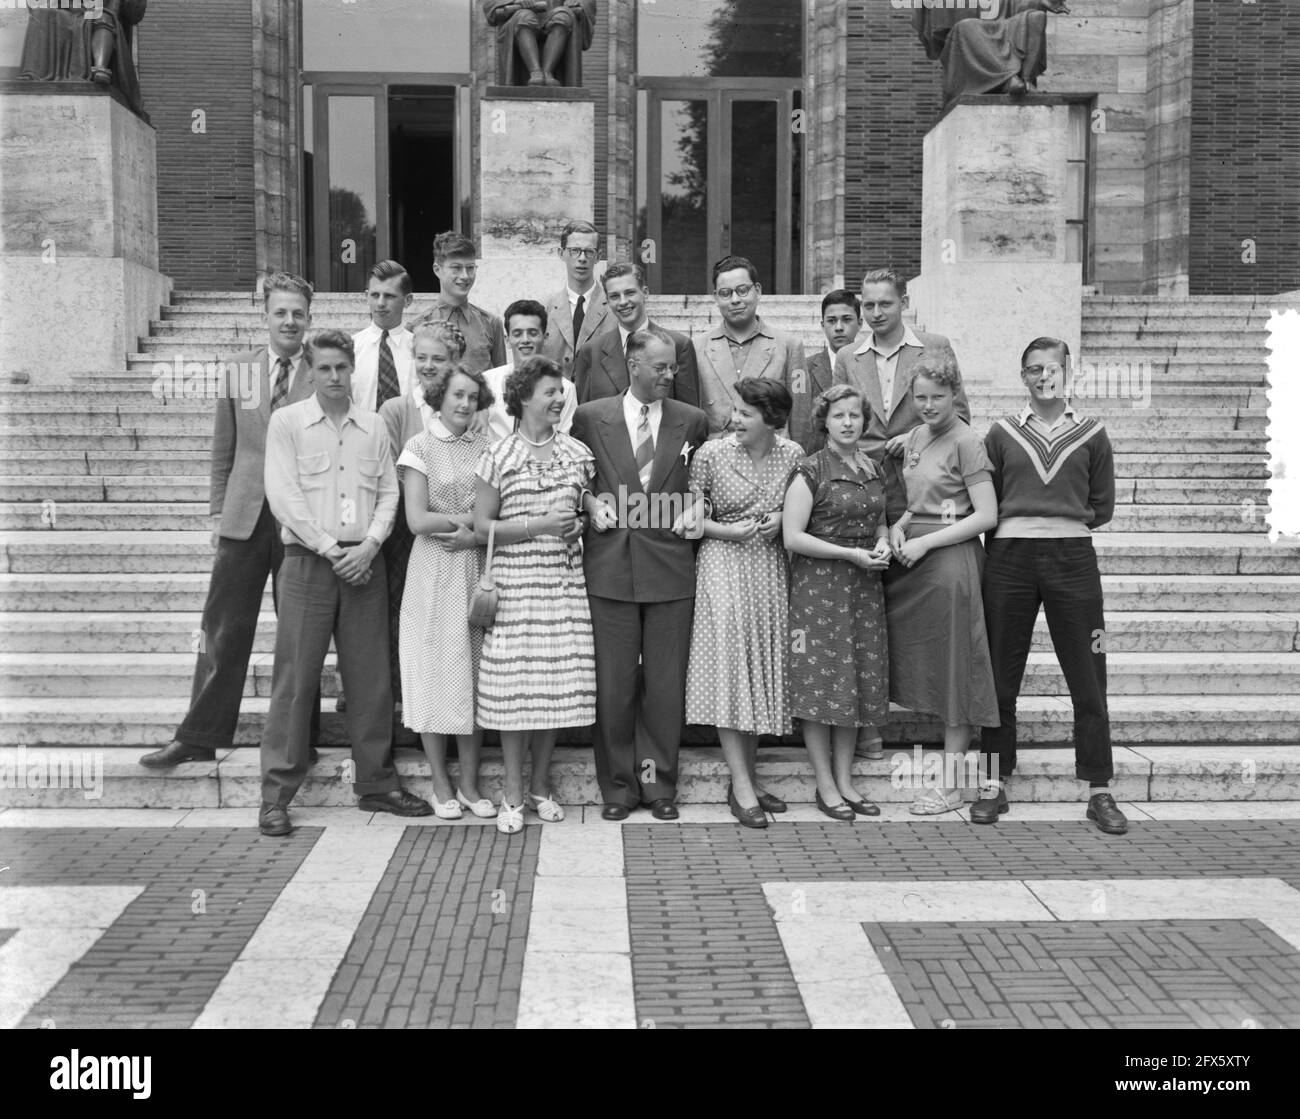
(483, 602)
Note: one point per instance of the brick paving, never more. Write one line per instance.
(442, 943)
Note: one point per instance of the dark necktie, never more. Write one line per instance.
(578, 316)
(280, 386)
(388, 387)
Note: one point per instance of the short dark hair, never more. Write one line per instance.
(285, 281)
(391, 270)
(1046, 344)
(444, 330)
(522, 382)
(886, 276)
(941, 368)
(730, 264)
(451, 244)
(527, 307)
(436, 393)
(832, 396)
(329, 340)
(844, 296)
(578, 226)
(623, 268)
(771, 398)
(638, 340)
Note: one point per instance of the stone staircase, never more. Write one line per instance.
(105, 557)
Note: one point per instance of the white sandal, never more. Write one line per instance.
(483, 808)
(510, 818)
(547, 808)
(934, 803)
(447, 810)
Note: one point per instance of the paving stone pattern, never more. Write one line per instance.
(442, 943)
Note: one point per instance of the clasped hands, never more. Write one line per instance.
(908, 552)
(352, 565)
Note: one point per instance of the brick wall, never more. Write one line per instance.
(200, 56)
(1245, 165)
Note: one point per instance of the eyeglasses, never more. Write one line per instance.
(584, 254)
(659, 367)
(1052, 370)
(741, 290)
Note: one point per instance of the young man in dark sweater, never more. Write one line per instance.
(1054, 474)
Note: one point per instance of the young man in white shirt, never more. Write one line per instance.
(383, 349)
(525, 329)
(578, 313)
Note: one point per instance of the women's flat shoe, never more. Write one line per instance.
(546, 807)
(769, 803)
(483, 808)
(749, 817)
(510, 818)
(841, 811)
(863, 807)
(447, 810)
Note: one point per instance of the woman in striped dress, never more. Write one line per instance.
(538, 669)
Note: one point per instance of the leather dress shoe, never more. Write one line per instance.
(398, 801)
(769, 803)
(1103, 810)
(989, 805)
(663, 809)
(748, 817)
(842, 811)
(175, 753)
(615, 812)
(273, 819)
(863, 807)
(313, 755)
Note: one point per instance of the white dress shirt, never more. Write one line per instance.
(632, 417)
(624, 334)
(887, 363)
(365, 377)
(501, 423)
(587, 297)
(297, 364)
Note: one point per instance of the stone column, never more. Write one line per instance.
(620, 205)
(825, 101)
(537, 160)
(1168, 210)
(995, 271)
(277, 168)
(79, 277)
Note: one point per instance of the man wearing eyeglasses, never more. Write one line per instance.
(579, 312)
(600, 368)
(1054, 475)
(741, 345)
(455, 263)
(639, 560)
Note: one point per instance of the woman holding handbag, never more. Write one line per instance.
(439, 649)
(538, 670)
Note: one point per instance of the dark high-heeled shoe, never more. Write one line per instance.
(769, 803)
(748, 817)
(841, 812)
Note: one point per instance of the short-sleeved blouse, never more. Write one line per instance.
(737, 488)
(847, 504)
(570, 464)
(939, 470)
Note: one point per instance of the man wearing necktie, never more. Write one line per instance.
(579, 312)
(385, 370)
(244, 532)
(639, 560)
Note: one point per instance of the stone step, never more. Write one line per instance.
(134, 464)
(100, 488)
(65, 552)
(187, 590)
(156, 631)
(97, 721)
(161, 675)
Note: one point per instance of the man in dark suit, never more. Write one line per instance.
(640, 568)
(244, 533)
(841, 321)
(578, 312)
(882, 369)
(600, 369)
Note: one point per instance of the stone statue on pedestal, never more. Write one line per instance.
(998, 47)
(85, 44)
(535, 37)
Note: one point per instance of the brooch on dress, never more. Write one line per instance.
(914, 459)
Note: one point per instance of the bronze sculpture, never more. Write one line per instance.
(85, 45)
(535, 36)
(999, 47)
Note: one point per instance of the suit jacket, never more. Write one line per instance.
(238, 487)
(600, 369)
(559, 344)
(773, 354)
(856, 365)
(643, 564)
(818, 377)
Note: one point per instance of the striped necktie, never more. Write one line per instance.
(280, 386)
(388, 387)
(645, 447)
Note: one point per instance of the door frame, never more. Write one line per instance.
(343, 84)
(720, 94)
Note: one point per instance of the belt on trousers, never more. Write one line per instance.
(299, 550)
